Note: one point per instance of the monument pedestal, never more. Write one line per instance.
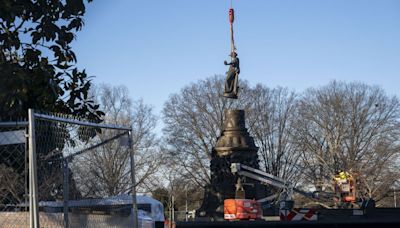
(235, 145)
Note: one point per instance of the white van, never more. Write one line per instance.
(119, 208)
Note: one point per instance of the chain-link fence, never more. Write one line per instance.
(79, 164)
(60, 171)
(13, 174)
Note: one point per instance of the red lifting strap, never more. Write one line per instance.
(231, 15)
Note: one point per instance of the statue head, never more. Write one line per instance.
(233, 54)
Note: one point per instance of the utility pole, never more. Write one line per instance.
(186, 205)
(171, 212)
(173, 209)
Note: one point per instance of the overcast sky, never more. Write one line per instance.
(156, 47)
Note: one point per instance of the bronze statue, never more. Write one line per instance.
(231, 82)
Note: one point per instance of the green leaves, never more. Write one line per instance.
(76, 24)
(35, 37)
(74, 7)
(37, 62)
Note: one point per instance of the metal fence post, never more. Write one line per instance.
(66, 192)
(33, 185)
(26, 173)
(133, 180)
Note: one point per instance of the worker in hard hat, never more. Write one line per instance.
(343, 175)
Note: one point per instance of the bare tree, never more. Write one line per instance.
(344, 126)
(148, 154)
(184, 190)
(349, 126)
(11, 185)
(193, 122)
(271, 117)
(106, 170)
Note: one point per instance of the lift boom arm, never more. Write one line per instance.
(267, 178)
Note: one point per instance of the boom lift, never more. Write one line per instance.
(250, 209)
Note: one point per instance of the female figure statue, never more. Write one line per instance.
(231, 81)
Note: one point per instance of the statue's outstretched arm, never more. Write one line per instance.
(226, 63)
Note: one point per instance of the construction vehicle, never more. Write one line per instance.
(236, 209)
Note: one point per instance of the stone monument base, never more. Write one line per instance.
(235, 145)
